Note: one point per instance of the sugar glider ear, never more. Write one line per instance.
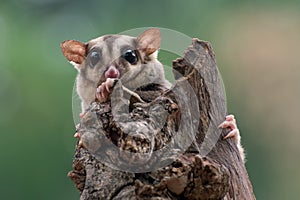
(74, 51)
(149, 41)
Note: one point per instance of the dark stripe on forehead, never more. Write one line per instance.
(105, 37)
(109, 40)
(101, 39)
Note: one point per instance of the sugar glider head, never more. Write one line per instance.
(134, 59)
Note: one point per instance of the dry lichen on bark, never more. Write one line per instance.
(119, 138)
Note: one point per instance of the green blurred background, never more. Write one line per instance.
(257, 44)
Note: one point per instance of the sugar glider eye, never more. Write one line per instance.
(130, 56)
(94, 58)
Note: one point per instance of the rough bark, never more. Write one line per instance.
(210, 168)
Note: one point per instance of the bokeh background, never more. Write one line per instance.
(257, 45)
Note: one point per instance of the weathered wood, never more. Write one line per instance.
(210, 168)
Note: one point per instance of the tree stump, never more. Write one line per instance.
(193, 162)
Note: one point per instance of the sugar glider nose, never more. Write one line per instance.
(112, 72)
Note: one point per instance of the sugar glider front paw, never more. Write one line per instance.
(234, 133)
(104, 90)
